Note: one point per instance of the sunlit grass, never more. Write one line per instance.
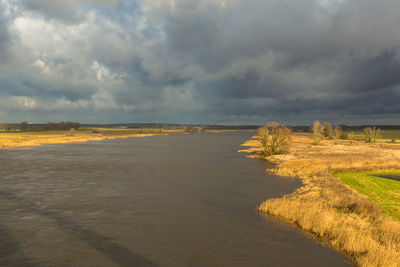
(33, 138)
(331, 210)
(384, 192)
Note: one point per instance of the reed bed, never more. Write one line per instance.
(326, 207)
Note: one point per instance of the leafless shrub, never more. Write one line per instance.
(275, 139)
(23, 126)
(318, 132)
(71, 132)
(336, 134)
(327, 132)
(371, 134)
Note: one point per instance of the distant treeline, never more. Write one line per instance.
(25, 126)
(347, 127)
(201, 127)
(62, 125)
(173, 126)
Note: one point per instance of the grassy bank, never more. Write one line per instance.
(384, 192)
(34, 138)
(330, 209)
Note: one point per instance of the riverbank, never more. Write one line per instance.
(13, 139)
(327, 207)
(37, 138)
(380, 186)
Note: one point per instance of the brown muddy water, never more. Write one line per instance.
(186, 200)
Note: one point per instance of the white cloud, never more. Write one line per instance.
(330, 5)
(17, 102)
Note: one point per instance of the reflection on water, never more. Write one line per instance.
(183, 200)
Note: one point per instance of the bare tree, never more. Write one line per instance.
(336, 134)
(327, 129)
(23, 126)
(371, 134)
(71, 132)
(318, 131)
(274, 138)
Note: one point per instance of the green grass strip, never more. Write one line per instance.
(384, 192)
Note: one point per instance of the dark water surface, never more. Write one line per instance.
(391, 177)
(183, 200)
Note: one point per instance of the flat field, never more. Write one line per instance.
(386, 135)
(34, 138)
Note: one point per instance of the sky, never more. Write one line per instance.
(200, 62)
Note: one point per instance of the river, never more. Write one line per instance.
(178, 200)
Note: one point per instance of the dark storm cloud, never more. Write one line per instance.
(26, 85)
(4, 36)
(375, 73)
(247, 85)
(205, 61)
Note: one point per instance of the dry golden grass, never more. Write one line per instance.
(25, 139)
(328, 208)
